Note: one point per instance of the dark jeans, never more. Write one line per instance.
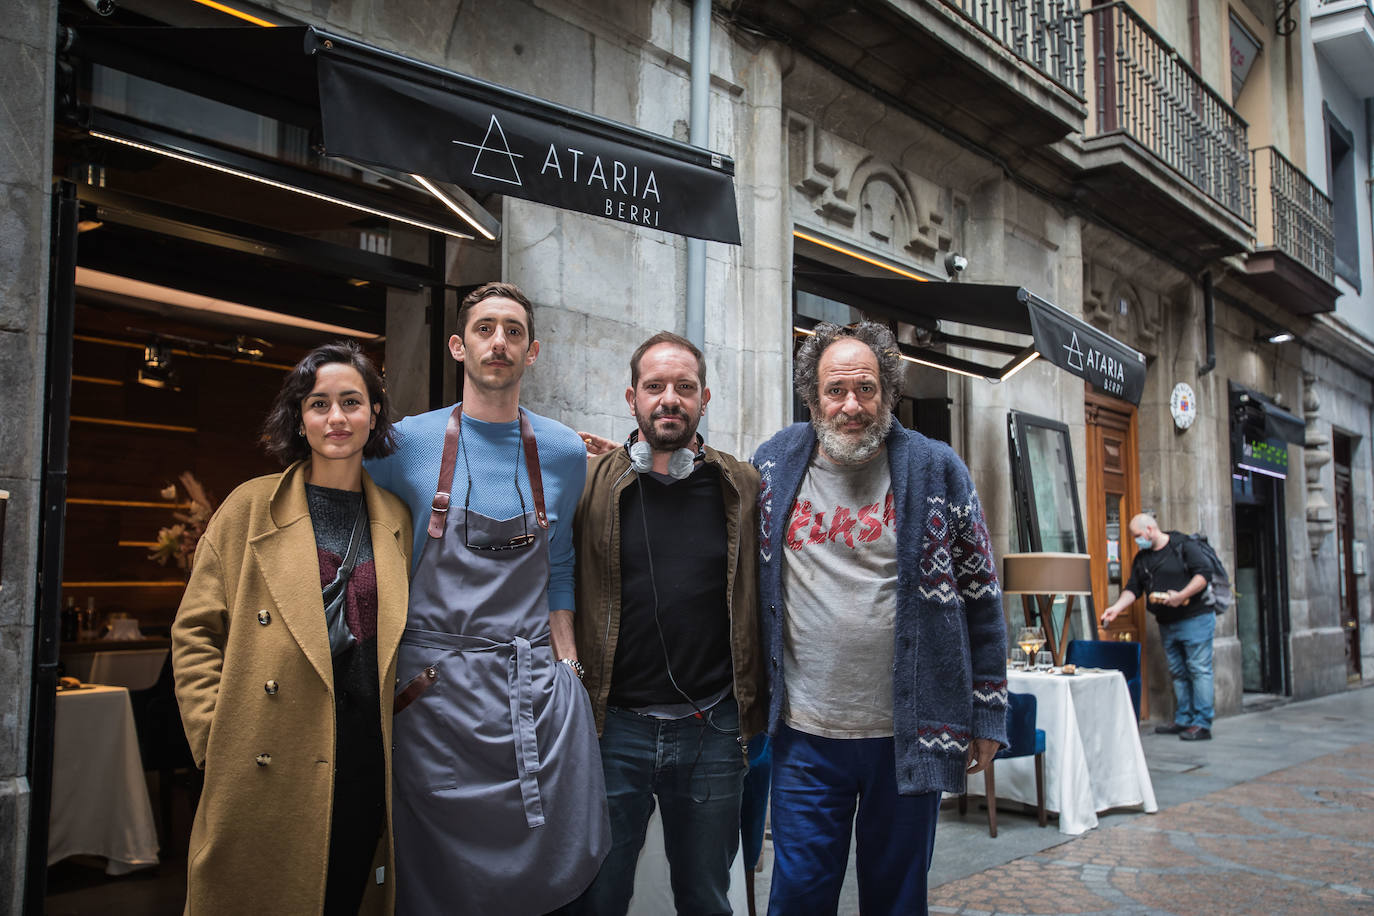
(818, 783)
(696, 771)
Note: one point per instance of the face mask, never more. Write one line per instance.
(1144, 543)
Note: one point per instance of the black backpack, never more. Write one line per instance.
(1218, 595)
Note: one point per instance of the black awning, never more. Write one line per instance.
(1254, 412)
(1070, 343)
(380, 108)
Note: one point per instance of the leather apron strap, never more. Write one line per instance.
(443, 494)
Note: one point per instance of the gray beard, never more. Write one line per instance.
(843, 448)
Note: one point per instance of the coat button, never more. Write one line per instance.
(271, 688)
(264, 617)
(264, 759)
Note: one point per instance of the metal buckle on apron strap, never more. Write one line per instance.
(438, 510)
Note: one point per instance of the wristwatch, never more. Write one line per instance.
(575, 665)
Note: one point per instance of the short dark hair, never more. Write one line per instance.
(878, 337)
(496, 290)
(280, 430)
(666, 337)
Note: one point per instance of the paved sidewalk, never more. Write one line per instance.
(1275, 815)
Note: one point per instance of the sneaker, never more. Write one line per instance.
(1195, 733)
(1173, 728)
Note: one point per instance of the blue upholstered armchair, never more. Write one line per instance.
(1110, 653)
(1025, 741)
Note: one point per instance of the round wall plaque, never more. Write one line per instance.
(1183, 405)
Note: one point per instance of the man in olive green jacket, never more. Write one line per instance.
(667, 628)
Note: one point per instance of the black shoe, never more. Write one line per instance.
(1173, 728)
(1195, 733)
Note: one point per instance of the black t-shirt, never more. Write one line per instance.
(1170, 567)
(686, 527)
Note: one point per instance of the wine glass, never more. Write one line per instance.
(1030, 639)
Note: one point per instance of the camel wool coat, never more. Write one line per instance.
(254, 679)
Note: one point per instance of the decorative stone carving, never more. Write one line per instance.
(1113, 303)
(1321, 519)
(871, 197)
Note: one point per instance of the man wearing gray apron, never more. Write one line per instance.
(499, 802)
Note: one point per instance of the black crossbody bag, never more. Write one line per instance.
(335, 594)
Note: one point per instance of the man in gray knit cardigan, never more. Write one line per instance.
(882, 620)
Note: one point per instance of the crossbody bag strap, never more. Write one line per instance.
(438, 510)
(532, 468)
(355, 540)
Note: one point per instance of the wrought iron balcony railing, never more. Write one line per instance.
(1047, 34)
(1293, 215)
(1142, 88)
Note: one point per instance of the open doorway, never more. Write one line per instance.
(1261, 584)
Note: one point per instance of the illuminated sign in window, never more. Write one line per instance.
(1264, 456)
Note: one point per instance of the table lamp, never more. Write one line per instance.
(1045, 575)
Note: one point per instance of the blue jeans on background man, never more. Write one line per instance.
(817, 785)
(1188, 647)
(697, 771)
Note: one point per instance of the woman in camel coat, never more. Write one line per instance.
(290, 718)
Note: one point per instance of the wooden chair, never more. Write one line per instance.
(1025, 741)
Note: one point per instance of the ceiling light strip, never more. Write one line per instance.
(240, 173)
(797, 233)
(452, 204)
(919, 362)
(1034, 354)
(87, 278)
(237, 14)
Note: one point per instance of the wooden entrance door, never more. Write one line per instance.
(1113, 491)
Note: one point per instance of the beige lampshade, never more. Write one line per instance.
(1047, 574)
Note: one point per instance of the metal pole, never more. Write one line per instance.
(699, 135)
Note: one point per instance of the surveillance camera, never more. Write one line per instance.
(955, 264)
(102, 7)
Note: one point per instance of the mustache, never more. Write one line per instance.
(661, 412)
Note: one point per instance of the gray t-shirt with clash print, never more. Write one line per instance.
(840, 592)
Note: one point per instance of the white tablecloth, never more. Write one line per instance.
(1093, 758)
(136, 669)
(100, 801)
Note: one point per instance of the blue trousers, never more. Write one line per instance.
(818, 783)
(1188, 647)
(696, 771)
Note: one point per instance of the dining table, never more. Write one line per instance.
(100, 805)
(1093, 757)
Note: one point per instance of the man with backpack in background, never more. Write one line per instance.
(1172, 571)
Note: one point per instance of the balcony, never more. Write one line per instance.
(1294, 260)
(1343, 33)
(1161, 148)
(1006, 74)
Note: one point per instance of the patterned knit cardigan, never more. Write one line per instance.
(949, 679)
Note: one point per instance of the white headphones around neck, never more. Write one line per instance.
(680, 465)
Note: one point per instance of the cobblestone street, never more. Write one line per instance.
(1275, 815)
(1300, 839)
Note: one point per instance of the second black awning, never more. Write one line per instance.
(1070, 343)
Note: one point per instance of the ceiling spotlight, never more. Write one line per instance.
(156, 371)
(1276, 337)
(955, 264)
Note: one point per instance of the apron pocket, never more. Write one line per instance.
(423, 734)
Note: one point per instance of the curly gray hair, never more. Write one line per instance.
(878, 337)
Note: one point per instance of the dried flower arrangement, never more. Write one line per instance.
(178, 542)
